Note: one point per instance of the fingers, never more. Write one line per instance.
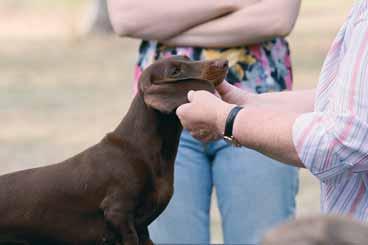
(181, 110)
(224, 87)
(190, 95)
(232, 94)
(193, 118)
(198, 95)
(204, 135)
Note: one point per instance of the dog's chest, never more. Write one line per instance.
(156, 201)
(163, 192)
(162, 183)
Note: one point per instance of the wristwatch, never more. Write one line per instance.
(229, 124)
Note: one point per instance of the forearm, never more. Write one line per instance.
(162, 19)
(252, 24)
(268, 129)
(297, 101)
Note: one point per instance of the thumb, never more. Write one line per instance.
(190, 95)
(181, 110)
(224, 88)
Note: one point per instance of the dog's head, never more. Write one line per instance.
(165, 84)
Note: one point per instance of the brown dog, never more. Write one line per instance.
(111, 192)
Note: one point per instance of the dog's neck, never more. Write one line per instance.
(154, 134)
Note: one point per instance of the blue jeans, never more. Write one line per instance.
(254, 194)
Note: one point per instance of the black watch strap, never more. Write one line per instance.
(229, 124)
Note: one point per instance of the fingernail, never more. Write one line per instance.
(190, 93)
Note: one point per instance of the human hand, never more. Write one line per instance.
(204, 116)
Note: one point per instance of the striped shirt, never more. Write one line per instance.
(332, 141)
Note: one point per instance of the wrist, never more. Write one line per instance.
(252, 99)
(222, 114)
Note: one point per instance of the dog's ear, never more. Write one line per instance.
(166, 97)
(145, 80)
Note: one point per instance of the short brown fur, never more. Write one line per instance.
(111, 192)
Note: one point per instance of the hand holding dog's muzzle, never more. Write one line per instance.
(204, 116)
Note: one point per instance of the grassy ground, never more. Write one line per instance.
(60, 93)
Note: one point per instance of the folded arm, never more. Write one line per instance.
(163, 19)
(261, 21)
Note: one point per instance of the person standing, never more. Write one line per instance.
(324, 130)
(253, 192)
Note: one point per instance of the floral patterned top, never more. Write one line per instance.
(259, 68)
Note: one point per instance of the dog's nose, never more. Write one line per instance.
(220, 63)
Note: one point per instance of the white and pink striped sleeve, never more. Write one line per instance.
(335, 140)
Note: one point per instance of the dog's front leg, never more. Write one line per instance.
(121, 217)
(124, 224)
(144, 237)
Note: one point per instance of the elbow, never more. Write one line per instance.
(282, 27)
(123, 28)
(122, 16)
(284, 21)
(276, 26)
(122, 25)
(127, 26)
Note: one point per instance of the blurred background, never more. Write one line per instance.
(66, 80)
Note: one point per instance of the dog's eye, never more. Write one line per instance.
(174, 71)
